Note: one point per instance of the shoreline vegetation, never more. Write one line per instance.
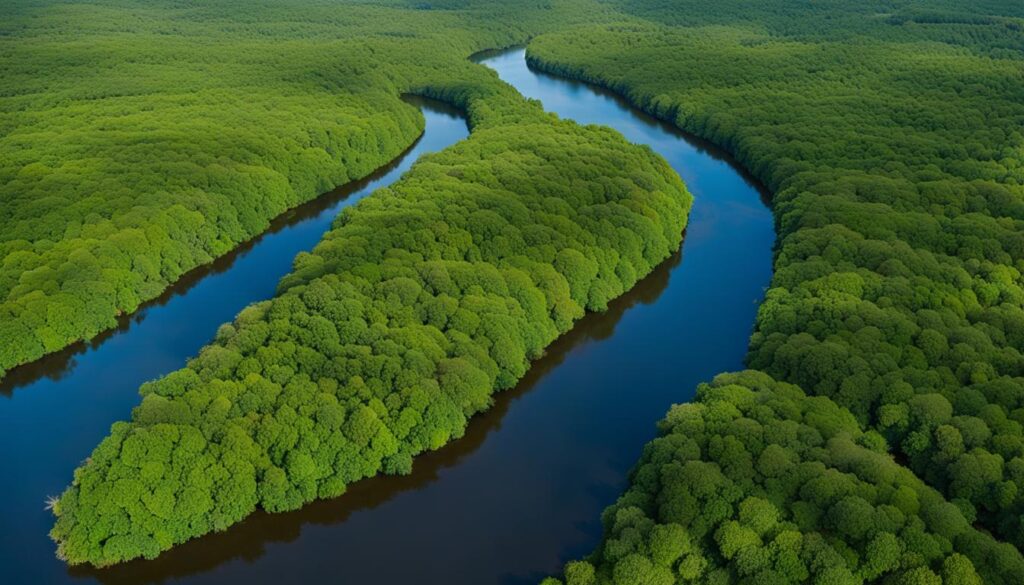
(897, 301)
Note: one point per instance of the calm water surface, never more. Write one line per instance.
(507, 504)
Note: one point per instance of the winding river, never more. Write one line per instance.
(521, 493)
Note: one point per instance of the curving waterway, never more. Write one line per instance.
(507, 504)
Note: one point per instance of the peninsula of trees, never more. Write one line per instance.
(419, 304)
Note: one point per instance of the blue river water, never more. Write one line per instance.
(510, 502)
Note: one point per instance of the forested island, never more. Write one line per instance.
(877, 434)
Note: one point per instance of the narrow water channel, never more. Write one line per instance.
(523, 490)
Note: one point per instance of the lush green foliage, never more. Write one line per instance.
(144, 138)
(890, 136)
(421, 302)
(758, 482)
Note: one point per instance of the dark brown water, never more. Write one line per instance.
(520, 493)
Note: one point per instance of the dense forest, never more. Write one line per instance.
(878, 435)
(890, 136)
(756, 481)
(420, 303)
